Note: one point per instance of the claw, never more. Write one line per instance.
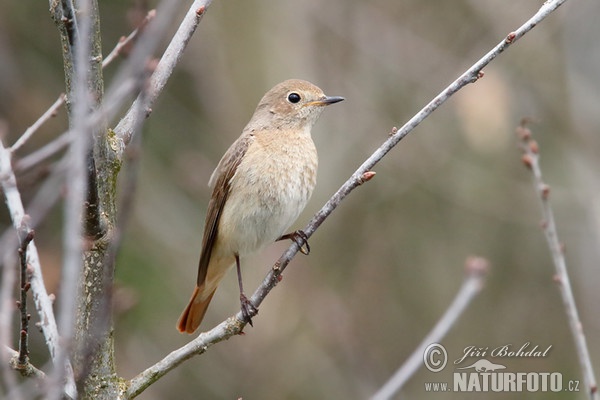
(248, 309)
(300, 238)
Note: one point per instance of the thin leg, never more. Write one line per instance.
(301, 240)
(248, 309)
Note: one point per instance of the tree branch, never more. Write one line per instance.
(531, 160)
(50, 112)
(39, 155)
(27, 369)
(26, 238)
(42, 301)
(140, 108)
(470, 76)
(125, 42)
(476, 269)
(234, 325)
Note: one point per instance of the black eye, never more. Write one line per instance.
(293, 97)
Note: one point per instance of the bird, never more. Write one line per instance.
(259, 188)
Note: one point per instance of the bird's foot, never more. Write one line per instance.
(300, 238)
(248, 309)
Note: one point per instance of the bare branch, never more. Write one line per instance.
(141, 106)
(124, 42)
(51, 112)
(42, 301)
(23, 358)
(471, 75)
(7, 306)
(476, 269)
(60, 143)
(234, 325)
(531, 160)
(24, 390)
(27, 369)
(230, 327)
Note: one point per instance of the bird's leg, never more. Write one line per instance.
(300, 238)
(248, 309)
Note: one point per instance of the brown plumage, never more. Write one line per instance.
(260, 186)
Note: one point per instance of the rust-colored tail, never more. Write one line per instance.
(194, 312)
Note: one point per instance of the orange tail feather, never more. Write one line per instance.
(194, 312)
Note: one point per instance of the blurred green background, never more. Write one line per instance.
(387, 263)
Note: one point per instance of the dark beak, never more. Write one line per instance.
(325, 101)
(331, 100)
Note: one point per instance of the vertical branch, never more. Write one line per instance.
(79, 104)
(531, 160)
(63, 14)
(7, 304)
(80, 35)
(24, 288)
(42, 300)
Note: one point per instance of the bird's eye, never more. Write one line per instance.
(293, 97)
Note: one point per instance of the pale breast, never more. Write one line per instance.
(269, 190)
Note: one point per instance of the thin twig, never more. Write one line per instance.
(42, 301)
(126, 41)
(60, 142)
(25, 285)
(141, 107)
(470, 76)
(476, 269)
(233, 325)
(43, 153)
(50, 112)
(531, 160)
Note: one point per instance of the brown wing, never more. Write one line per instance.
(223, 174)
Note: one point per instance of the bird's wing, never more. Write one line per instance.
(221, 184)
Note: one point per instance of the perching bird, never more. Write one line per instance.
(260, 187)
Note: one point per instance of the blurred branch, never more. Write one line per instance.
(27, 369)
(531, 160)
(64, 16)
(101, 158)
(42, 301)
(234, 325)
(141, 107)
(51, 112)
(476, 269)
(60, 142)
(124, 42)
(79, 28)
(43, 153)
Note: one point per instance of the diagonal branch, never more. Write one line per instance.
(531, 160)
(470, 76)
(234, 325)
(50, 112)
(476, 269)
(140, 109)
(125, 42)
(25, 163)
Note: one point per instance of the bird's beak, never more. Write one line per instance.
(325, 101)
